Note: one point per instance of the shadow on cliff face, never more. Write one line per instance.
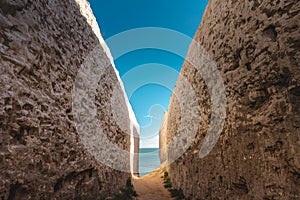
(43, 44)
(257, 156)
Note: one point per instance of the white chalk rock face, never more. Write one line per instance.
(98, 91)
(255, 46)
(49, 51)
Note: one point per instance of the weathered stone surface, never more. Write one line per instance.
(135, 150)
(42, 46)
(256, 47)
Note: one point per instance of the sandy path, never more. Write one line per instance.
(150, 187)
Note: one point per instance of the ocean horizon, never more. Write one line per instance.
(148, 160)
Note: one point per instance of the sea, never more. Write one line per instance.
(148, 160)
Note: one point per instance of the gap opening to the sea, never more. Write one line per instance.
(148, 160)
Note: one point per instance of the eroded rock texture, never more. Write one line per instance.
(42, 46)
(256, 47)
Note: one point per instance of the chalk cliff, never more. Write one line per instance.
(43, 44)
(255, 45)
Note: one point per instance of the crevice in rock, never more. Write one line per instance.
(13, 190)
(271, 32)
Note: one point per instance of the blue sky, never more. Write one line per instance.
(149, 73)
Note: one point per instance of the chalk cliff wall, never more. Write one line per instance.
(255, 45)
(42, 46)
